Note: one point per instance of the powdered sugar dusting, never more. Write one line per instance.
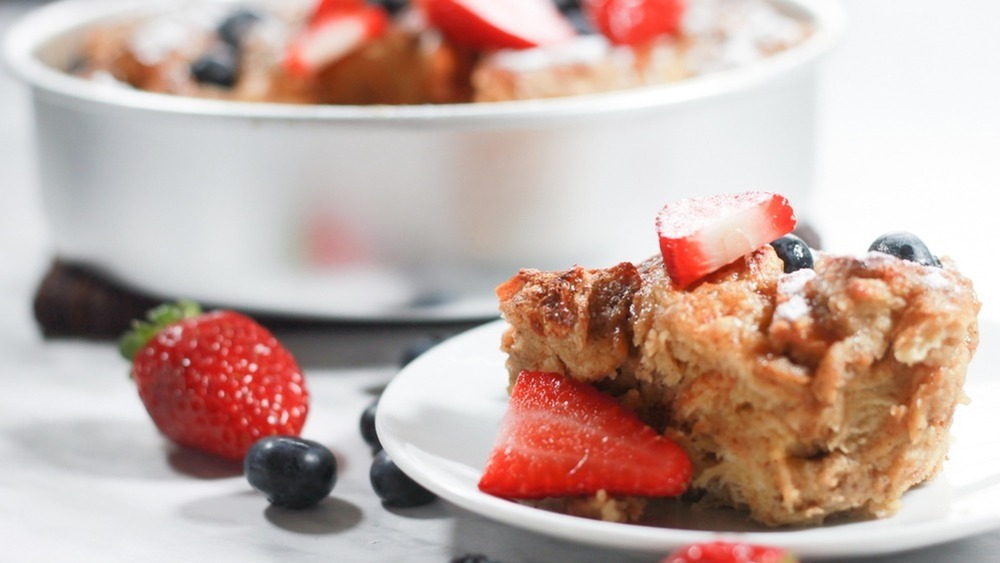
(791, 293)
(586, 49)
(155, 39)
(717, 34)
(729, 33)
(935, 278)
(153, 42)
(873, 256)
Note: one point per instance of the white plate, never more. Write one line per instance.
(438, 418)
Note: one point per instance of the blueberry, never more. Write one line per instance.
(391, 6)
(220, 67)
(394, 487)
(234, 28)
(290, 471)
(907, 246)
(580, 22)
(473, 558)
(568, 5)
(368, 426)
(794, 252)
(573, 11)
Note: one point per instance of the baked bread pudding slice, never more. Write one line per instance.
(798, 394)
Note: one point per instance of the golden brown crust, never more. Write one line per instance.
(574, 322)
(797, 396)
(391, 69)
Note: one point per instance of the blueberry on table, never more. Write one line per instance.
(907, 246)
(291, 472)
(368, 426)
(473, 558)
(234, 28)
(220, 67)
(794, 252)
(394, 487)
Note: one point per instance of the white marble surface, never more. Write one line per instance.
(910, 140)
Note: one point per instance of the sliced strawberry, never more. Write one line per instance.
(635, 22)
(499, 24)
(700, 235)
(729, 552)
(562, 437)
(334, 31)
(325, 7)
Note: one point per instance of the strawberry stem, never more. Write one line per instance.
(157, 319)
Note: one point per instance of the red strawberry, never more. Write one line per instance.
(729, 552)
(635, 22)
(214, 381)
(561, 437)
(336, 29)
(700, 235)
(499, 24)
(328, 6)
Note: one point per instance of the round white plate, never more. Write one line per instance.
(438, 419)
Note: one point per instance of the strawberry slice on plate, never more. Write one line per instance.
(499, 24)
(562, 437)
(635, 22)
(336, 29)
(700, 235)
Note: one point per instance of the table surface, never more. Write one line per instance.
(910, 132)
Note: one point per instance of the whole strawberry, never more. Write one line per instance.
(729, 552)
(216, 381)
